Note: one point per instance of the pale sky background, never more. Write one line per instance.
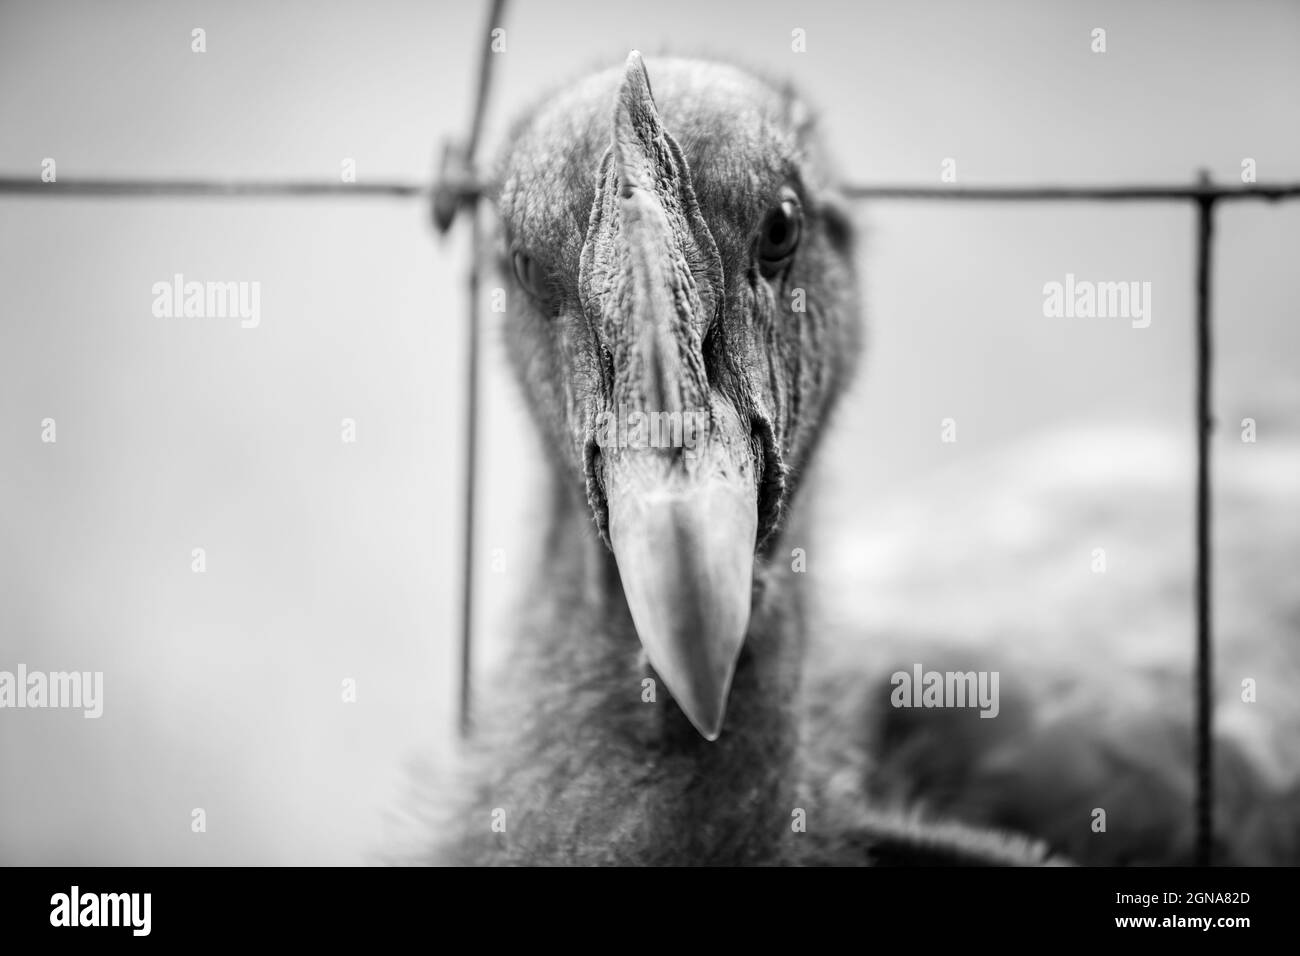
(329, 561)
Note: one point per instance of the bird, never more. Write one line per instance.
(683, 314)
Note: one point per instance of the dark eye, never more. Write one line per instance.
(779, 236)
(528, 273)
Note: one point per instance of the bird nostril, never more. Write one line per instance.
(712, 349)
(594, 466)
(608, 356)
(771, 480)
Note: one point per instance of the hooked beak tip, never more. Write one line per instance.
(687, 566)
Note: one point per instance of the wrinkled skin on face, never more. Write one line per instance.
(675, 250)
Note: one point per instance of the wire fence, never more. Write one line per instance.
(456, 190)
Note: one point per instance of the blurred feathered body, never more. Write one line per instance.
(992, 567)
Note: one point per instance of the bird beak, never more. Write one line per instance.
(683, 535)
(682, 521)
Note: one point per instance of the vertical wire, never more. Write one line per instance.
(494, 20)
(471, 476)
(487, 58)
(1204, 649)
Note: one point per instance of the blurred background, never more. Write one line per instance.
(329, 561)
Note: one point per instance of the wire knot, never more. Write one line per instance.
(455, 187)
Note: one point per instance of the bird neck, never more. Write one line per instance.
(637, 773)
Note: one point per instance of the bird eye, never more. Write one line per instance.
(779, 237)
(528, 274)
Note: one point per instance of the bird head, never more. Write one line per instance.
(683, 312)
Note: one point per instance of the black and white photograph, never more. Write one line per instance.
(689, 434)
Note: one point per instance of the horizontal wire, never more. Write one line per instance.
(160, 188)
(1147, 193)
(233, 189)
